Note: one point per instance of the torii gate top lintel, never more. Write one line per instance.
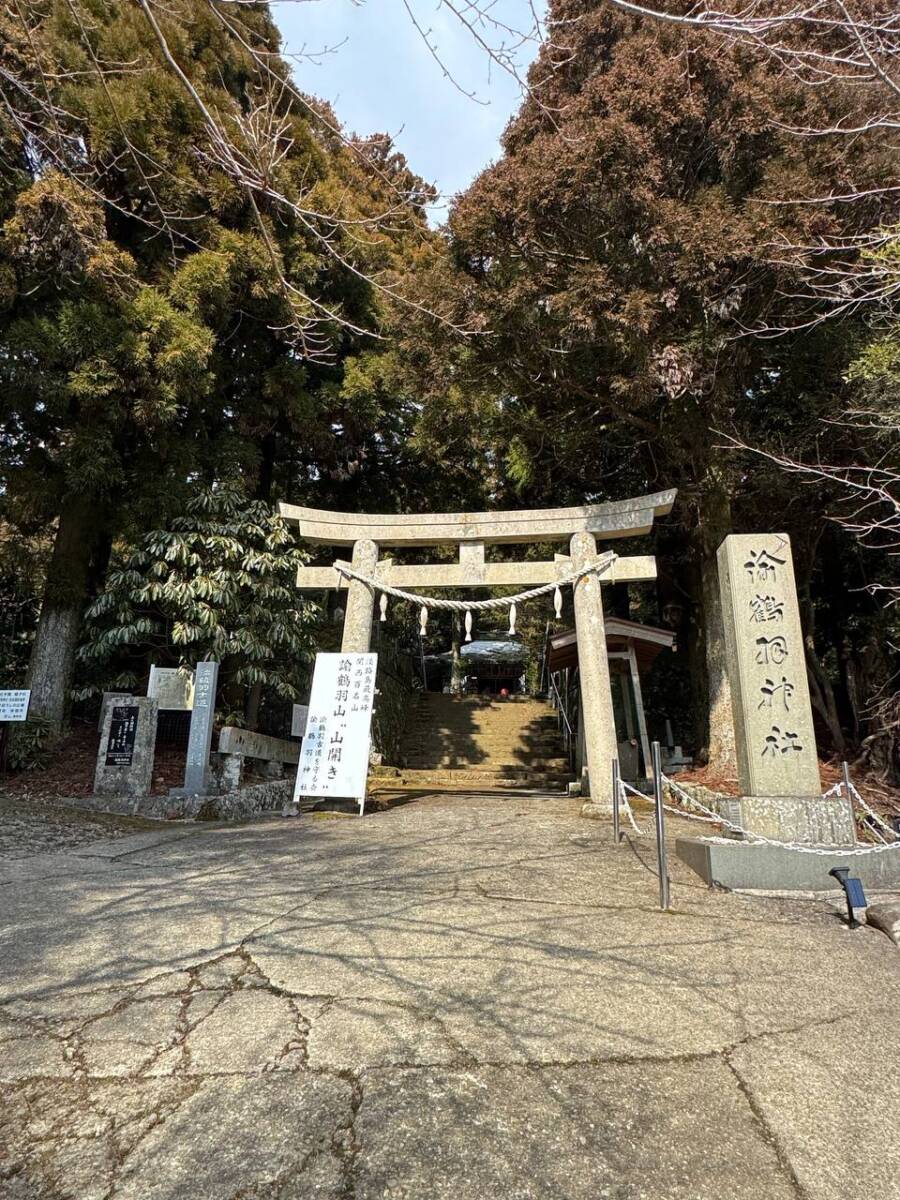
(619, 518)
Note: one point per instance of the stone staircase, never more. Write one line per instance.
(480, 743)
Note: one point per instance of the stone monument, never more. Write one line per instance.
(127, 744)
(778, 765)
(196, 772)
(172, 689)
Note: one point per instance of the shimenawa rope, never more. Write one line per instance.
(469, 606)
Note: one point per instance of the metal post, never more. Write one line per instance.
(846, 772)
(660, 828)
(617, 837)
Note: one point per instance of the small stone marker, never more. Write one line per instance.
(127, 743)
(196, 771)
(14, 704)
(773, 725)
(334, 756)
(172, 689)
(299, 718)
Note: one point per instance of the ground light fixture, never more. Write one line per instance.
(853, 891)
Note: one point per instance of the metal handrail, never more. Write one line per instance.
(562, 707)
(661, 857)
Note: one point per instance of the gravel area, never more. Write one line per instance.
(33, 825)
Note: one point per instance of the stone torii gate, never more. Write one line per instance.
(472, 532)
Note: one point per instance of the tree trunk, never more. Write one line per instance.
(713, 526)
(266, 474)
(251, 706)
(80, 554)
(821, 692)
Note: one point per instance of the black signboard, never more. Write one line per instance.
(122, 733)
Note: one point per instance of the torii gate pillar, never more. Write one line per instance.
(598, 721)
(360, 609)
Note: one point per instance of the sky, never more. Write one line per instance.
(380, 77)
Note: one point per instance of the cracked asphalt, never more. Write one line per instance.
(463, 997)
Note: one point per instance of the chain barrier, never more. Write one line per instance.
(712, 818)
(879, 821)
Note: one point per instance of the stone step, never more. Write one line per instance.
(522, 711)
(517, 731)
(506, 726)
(474, 701)
(436, 733)
(470, 778)
(497, 765)
(474, 755)
(512, 711)
(474, 741)
(436, 741)
(465, 783)
(419, 732)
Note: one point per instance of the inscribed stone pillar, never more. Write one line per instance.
(776, 746)
(596, 694)
(127, 745)
(360, 601)
(778, 766)
(196, 771)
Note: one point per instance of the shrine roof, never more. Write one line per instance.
(648, 640)
(491, 651)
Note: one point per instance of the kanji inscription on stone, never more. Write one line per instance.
(122, 735)
(206, 675)
(773, 726)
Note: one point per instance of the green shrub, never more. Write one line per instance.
(30, 744)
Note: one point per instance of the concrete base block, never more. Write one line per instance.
(773, 868)
(808, 819)
(232, 806)
(597, 812)
(885, 917)
(225, 771)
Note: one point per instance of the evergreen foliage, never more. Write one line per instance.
(623, 254)
(154, 315)
(217, 583)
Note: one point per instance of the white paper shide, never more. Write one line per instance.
(334, 758)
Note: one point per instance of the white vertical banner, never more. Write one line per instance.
(334, 757)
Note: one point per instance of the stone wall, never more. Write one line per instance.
(231, 806)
